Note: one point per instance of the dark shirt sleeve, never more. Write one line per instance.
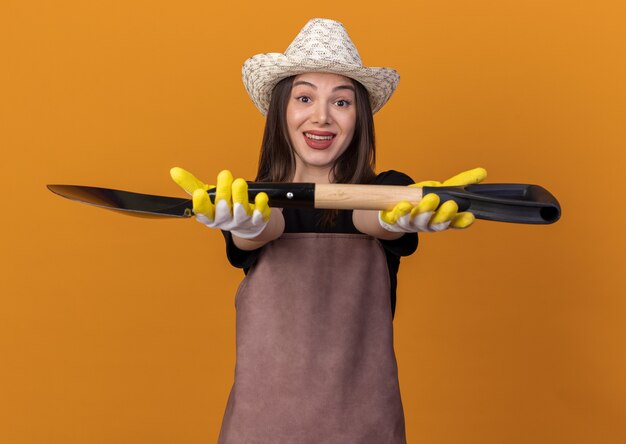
(239, 258)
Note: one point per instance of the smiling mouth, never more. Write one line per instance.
(319, 137)
(319, 140)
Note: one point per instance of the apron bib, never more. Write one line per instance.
(315, 360)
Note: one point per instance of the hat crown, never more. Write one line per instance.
(324, 40)
(323, 45)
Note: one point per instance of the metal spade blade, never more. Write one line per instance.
(133, 204)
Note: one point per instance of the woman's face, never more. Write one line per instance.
(321, 116)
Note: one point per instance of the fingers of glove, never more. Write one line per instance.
(427, 183)
(429, 203)
(241, 215)
(186, 180)
(462, 220)
(394, 214)
(261, 207)
(203, 207)
(244, 225)
(421, 221)
(239, 220)
(229, 220)
(468, 177)
(240, 195)
(443, 216)
(420, 215)
(223, 190)
(223, 214)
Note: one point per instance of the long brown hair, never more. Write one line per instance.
(277, 162)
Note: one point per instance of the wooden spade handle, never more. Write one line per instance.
(364, 197)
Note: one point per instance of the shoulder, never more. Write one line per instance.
(392, 177)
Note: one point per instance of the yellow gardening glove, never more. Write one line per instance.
(231, 211)
(428, 215)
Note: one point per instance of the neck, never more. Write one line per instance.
(314, 175)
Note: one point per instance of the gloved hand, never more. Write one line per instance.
(232, 211)
(425, 216)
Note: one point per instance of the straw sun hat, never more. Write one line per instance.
(323, 45)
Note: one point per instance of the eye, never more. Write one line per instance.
(303, 99)
(342, 103)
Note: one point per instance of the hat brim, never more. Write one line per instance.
(262, 72)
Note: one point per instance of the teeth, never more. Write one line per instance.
(314, 137)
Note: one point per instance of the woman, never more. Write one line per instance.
(315, 359)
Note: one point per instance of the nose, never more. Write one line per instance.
(321, 113)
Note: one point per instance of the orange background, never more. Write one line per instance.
(121, 330)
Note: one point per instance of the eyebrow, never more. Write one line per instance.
(336, 88)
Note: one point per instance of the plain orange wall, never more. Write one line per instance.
(121, 330)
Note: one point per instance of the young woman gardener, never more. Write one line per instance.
(315, 358)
